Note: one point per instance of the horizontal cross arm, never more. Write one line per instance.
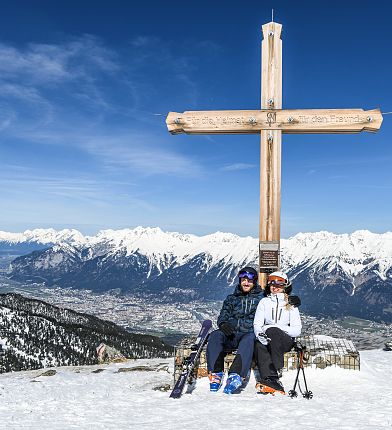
(285, 120)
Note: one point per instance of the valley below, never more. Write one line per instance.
(173, 320)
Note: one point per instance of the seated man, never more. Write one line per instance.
(235, 324)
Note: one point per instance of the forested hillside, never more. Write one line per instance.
(35, 334)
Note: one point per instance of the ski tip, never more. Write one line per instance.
(175, 394)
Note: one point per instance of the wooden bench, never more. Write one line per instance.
(321, 352)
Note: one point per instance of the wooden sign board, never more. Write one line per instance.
(268, 256)
(286, 120)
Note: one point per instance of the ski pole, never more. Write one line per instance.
(300, 349)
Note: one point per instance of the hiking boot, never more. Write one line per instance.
(270, 386)
(234, 381)
(216, 380)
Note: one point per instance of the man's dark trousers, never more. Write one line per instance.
(219, 344)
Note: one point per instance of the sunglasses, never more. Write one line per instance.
(277, 284)
(249, 275)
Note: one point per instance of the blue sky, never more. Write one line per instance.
(85, 87)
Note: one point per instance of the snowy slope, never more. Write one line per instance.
(79, 398)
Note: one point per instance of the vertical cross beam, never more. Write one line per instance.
(270, 152)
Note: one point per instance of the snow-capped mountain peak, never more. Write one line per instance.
(44, 236)
(353, 252)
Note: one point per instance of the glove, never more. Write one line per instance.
(263, 339)
(227, 329)
(295, 301)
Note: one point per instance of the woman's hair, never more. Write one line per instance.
(286, 297)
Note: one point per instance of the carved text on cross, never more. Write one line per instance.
(288, 121)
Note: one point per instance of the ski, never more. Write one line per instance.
(191, 361)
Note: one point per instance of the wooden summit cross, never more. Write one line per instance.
(271, 121)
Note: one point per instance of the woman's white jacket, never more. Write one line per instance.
(272, 312)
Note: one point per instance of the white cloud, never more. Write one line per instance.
(47, 63)
(21, 104)
(40, 83)
(72, 94)
(127, 151)
(238, 166)
(139, 152)
(19, 180)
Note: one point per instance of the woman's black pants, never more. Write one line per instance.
(270, 358)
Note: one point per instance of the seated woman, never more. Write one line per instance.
(276, 324)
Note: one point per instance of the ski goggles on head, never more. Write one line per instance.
(251, 276)
(277, 281)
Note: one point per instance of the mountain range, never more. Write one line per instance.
(335, 275)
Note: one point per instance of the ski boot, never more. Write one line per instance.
(270, 386)
(234, 381)
(216, 380)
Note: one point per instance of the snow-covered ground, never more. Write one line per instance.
(79, 398)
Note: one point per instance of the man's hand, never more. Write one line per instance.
(227, 329)
(295, 301)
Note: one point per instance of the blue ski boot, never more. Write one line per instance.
(234, 381)
(216, 380)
